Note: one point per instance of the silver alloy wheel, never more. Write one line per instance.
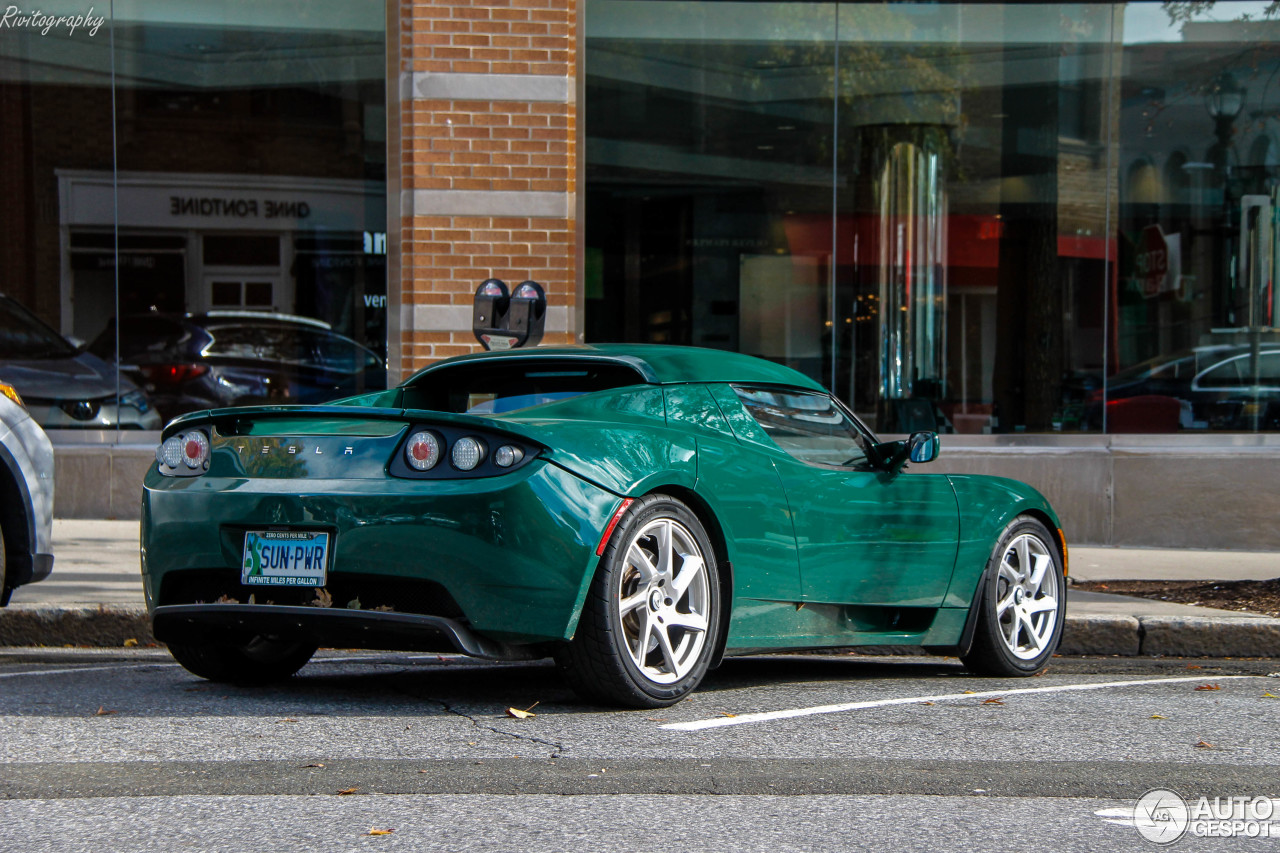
(1027, 595)
(664, 600)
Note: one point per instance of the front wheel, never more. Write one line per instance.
(263, 660)
(651, 621)
(1022, 603)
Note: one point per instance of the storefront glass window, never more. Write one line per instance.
(179, 174)
(1034, 218)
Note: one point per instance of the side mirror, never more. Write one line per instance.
(923, 447)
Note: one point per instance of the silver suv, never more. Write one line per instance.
(26, 496)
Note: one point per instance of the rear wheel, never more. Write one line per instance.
(1022, 603)
(651, 621)
(263, 660)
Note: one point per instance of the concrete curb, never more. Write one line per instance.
(1127, 636)
(102, 625)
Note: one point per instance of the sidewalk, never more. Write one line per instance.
(94, 596)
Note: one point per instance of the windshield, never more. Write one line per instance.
(496, 388)
(24, 337)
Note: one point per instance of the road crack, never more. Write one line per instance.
(558, 748)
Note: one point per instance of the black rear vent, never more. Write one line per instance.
(402, 595)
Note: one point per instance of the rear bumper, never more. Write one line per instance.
(362, 629)
(514, 553)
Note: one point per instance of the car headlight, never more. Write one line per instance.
(467, 453)
(135, 399)
(184, 455)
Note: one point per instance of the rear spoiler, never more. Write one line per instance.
(238, 421)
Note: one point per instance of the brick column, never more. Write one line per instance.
(482, 166)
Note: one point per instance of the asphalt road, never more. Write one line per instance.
(123, 751)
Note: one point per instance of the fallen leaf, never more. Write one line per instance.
(1159, 717)
(288, 720)
(226, 599)
(322, 599)
(656, 719)
(969, 691)
(345, 791)
(1208, 687)
(992, 701)
(316, 764)
(1204, 745)
(1270, 696)
(424, 771)
(1194, 666)
(384, 608)
(373, 831)
(354, 604)
(130, 643)
(928, 703)
(727, 714)
(518, 714)
(102, 711)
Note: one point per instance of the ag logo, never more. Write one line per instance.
(1161, 816)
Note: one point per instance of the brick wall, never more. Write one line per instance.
(484, 165)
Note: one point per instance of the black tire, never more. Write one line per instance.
(258, 662)
(1003, 644)
(600, 662)
(4, 590)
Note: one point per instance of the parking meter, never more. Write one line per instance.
(489, 314)
(501, 320)
(527, 314)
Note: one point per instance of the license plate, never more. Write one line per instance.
(284, 558)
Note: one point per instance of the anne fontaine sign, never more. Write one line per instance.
(240, 208)
(188, 201)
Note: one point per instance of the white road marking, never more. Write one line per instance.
(82, 669)
(766, 716)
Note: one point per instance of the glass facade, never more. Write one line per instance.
(200, 189)
(981, 217)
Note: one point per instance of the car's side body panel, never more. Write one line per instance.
(987, 505)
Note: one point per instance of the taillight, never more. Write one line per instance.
(467, 453)
(444, 452)
(422, 451)
(163, 375)
(184, 455)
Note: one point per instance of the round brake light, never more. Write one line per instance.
(195, 449)
(422, 451)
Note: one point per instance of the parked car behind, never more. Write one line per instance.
(1212, 387)
(231, 358)
(26, 496)
(63, 386)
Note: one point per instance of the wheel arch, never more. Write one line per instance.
(17, 526)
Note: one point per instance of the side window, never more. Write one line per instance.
(1225, 375)
(1269, 368)
(808, 426)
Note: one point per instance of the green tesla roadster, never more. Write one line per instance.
(635, 512)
